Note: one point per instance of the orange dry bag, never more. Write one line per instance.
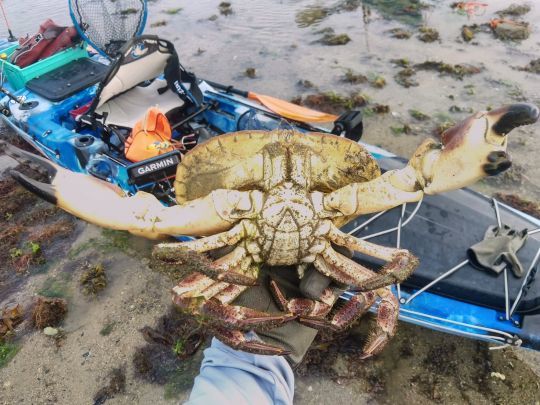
(150, 137)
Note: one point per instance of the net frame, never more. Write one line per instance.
(108, 24)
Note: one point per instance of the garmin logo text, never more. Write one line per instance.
(152, 167)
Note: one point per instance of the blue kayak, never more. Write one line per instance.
(67, 111)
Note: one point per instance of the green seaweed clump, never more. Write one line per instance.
(160, 23)
(428, 34)
(457, 71)
(352, 77)
(225, 8)
(310, 16)
(331, 39)
(418, 115)
(173, 11)
(93, 279)
(399, 33)
(514, 10)
(7, 352)
(333, 103)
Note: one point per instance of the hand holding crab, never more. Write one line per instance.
(279, 198)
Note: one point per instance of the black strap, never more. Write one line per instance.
(175, 75)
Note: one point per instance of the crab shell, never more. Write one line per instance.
(243, 161)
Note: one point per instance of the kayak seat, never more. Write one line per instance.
(124, 95)
(127, 108)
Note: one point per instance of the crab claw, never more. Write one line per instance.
(86, 197)
(472, 149)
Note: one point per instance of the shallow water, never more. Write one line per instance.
(274, 39)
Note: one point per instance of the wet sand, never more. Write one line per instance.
(103, 333)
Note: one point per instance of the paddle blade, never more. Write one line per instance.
(292, 111)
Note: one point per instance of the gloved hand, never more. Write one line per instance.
(498, 250)
(292, 336)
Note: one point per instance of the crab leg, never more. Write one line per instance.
(167, 251)
(401, 263)
(205, 297)
(469, 151)
(234, 267)
(106, 205)
(385, 326)
(312, 313)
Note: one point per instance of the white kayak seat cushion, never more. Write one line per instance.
(135, 70)
(127, 108)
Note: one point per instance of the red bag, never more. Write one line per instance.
(66, 39)
(50, 39)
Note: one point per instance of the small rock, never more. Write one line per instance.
(310, 388)
(498, 375)
(50, 331)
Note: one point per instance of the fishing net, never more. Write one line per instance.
(108, 24)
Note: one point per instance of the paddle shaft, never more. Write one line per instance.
(228, 89)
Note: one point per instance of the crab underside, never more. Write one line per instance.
(279, 198)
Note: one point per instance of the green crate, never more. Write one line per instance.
(17, 77)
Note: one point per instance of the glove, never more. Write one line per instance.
(498, 250)
(292, 336)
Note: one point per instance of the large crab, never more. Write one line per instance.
(279, 198)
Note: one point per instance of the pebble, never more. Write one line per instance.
(498, 375)
(50, 331)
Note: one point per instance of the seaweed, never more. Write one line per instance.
(331, 102)
(116, 385)
(352, 77)
(225, 8)
(48, 312)
(160, 23)
(418, 115)
(7, 352)
(107, 329)
(514, 10)
(529, 207)
(10, 318)
(173, 11)
(167, 358)
(399, 33)
(331, 39)
(428, 34)
(250, 72)
(311, 15)
(93, 279)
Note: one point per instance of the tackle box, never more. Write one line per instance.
(17, 77)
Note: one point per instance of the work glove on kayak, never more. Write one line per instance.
(498, 250)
